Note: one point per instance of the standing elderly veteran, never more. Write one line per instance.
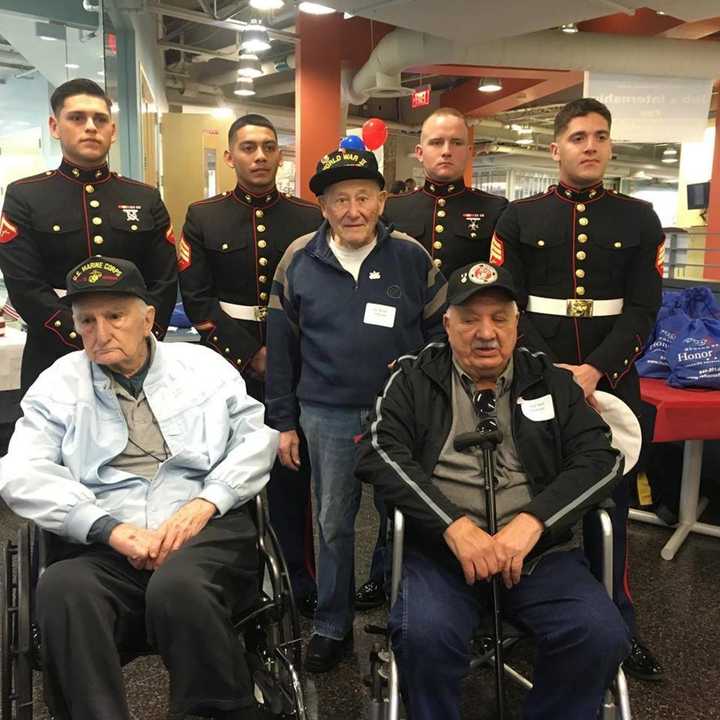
(146, 475)
(346, 301)
(554, 462)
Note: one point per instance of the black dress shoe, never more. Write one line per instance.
(641, 664)
(307, 605)
(370, 595)
(323, 653)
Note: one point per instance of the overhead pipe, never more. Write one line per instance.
(549, 49)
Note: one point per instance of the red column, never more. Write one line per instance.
(713, 222)
(318, 121)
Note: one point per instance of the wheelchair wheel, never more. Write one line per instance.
(17, 635)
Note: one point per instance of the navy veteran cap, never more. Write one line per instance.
(104, 274)
(473, 278)
(345, 164)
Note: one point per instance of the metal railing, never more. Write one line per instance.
(692, 254)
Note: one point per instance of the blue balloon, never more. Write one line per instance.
(352, 142)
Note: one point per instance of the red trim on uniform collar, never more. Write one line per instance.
(259, 200)
(84, 175)
(572, 194)
(438, 189)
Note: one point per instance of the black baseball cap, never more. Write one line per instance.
(476, 277)
(104, 274)
(345, 164)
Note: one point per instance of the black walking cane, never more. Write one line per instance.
(487, 437)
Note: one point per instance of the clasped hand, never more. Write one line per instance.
(482, 555)
(148, 549)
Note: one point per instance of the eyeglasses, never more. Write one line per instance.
(484, 403)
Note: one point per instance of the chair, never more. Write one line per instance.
(270, 629)
(384, 679)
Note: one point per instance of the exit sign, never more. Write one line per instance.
(420, 97)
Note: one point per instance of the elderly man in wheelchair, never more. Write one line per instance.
(553, 461)
(143, 458)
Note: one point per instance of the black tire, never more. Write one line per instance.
(6, 642)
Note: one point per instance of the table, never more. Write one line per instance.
(11, 350)
(692, 416)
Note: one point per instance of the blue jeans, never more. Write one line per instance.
(581, 637)
(331, 433)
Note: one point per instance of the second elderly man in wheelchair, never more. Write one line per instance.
(553, 462)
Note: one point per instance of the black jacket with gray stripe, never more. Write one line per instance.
(568, 459)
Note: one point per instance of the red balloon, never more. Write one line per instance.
(374, 133)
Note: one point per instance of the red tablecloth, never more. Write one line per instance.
(682, 414)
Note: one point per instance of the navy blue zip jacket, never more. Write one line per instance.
(329, 338)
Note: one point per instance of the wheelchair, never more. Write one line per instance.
(270, 630)
(384, 681)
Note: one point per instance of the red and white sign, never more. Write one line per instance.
(420, 97)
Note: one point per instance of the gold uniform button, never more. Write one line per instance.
(49, 172)
(239, 361)
(262, 244)
(637, 348)
(262, 279)
(582, 237)
(215, 338)
(583, 221)
(439, 228)
(261, 228)
(95, 203)
(580, 290)
(133, 227)
(259, 213)
(541, 243)
(580, 207)
(432, 188)
(263, 261)
(437, 262)
(581, 255)
(615, 375)
(89, 189)
(568, 193)
(437, 244)
(57, 323)
(451, 188)
(441, 213)
(593, 193)
(441, 202)
(580, 273)
(73, 335)
(98, 174)
(224, 246)
(227, 351)
(263, 296)
(625, 361)
(56, 228)
(76, 172)
(97, 221)
(617, 244)
(98, 239)
(247, 197)
(473, 235)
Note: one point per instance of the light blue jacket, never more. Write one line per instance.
(56, 472)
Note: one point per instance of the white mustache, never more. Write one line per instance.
(486, 345)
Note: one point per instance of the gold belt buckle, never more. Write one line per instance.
(261, 313)
(579, 308)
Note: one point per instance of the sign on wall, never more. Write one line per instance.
(420, 97)
(653, 109)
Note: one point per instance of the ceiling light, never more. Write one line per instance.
(71, 66)
(249, 66)
(670, 152)
(266, 4)
(569, 28)
(490, 85)
(254, 38)
(521, 129)
(668, 160)
(527, 140)
(315, 8)
(245, 87)
(660, 12)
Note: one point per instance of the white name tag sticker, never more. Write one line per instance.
(383, 315)
(539, 409)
